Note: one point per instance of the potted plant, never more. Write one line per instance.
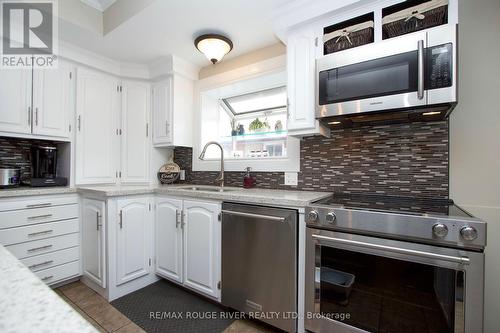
(258, 126)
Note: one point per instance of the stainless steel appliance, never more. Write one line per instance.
(9, 177)
(400, 265)
(408, 73)
(259, 262)
(44, 167)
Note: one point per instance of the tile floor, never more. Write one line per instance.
(106, 318)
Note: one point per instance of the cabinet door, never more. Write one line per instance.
(301, 57)
(202, 247)
(15, 100)
(94, 241)
(162, 112)
(135, 132)
(168, 238)
(96, 128)
(132, 239)
(51, 101)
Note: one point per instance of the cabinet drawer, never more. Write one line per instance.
(38, 231)
(29, 249)
(59, 273)
(17, 218)
(17, 203)
(44, 261)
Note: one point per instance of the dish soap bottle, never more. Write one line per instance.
(249, 180)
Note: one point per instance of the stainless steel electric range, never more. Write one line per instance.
(393, 264)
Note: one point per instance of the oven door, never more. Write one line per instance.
(365, 284)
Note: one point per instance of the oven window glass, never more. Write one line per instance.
(379, 294)
(384, 76)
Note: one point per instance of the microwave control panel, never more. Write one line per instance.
(439, 66)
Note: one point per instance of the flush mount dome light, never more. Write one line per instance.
(213, 46)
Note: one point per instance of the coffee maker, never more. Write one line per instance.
(44, 167)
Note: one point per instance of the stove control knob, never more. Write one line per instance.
(330, 218)
(312, 216)
(440, 230)
(468, 233)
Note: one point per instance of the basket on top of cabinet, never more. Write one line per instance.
(413, 15)
(348, 34)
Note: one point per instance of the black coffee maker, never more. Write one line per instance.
(44, 167)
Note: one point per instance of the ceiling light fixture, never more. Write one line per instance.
(213, 46)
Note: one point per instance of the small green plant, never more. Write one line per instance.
(256, 125)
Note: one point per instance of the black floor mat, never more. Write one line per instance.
(164, 307)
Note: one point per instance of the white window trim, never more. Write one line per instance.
(290, 163)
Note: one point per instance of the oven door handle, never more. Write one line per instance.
(429, 255)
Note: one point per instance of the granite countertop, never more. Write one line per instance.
(254, 195)
(26, 190)
(29, 305)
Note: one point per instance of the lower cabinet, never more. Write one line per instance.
(188, 242)
(117, 244)
(133, 255)
(94, 241)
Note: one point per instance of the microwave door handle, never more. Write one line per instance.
(422, 254)
(420, 93)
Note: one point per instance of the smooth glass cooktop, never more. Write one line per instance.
(407, 205)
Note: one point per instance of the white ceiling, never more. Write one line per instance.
(101, 5)
(170, 27)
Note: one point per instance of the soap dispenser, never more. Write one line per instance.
(249, 180)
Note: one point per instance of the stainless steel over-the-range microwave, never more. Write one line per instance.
(407, 72)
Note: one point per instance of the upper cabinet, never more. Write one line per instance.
(135, 139)
(96, 128)
(173, 112)
(113, 134)
(37, 102)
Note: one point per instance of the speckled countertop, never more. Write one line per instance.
(235, 194)
(26, 190)
(28, 305)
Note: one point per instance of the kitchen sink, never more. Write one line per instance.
(208, 188)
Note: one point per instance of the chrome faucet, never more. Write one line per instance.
(202, 156)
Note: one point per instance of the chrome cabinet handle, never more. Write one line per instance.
(98, 225)
(29, 115)
(183, 219)
(167, 128)
(39, 205)
(47, 278)
(177, 218)
(257, 216)
(420, 93)
(428, 255)
(79, 123)
(40, 233)
(147, 130)
(121, 219)
(46, 247)
(36, 116)
(41, 264)
(39, 216)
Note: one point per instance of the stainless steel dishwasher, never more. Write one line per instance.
(259, 262)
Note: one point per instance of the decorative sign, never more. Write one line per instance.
(169, 173)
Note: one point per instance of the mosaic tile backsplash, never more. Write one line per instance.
(15, 152)
(398, 159)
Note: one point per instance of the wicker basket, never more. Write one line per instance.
(349, 37)
(427, 15)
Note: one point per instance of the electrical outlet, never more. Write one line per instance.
(291, 178)
(182, 175)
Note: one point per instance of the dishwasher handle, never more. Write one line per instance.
(259, 216)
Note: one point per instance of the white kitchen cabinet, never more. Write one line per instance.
(94, 241)
(202, 246)
(97, 132)
(173, 112)
(15, 100)
(168, 238)
(133, 239)
(52, 101)
(135, 106)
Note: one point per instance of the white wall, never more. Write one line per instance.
(475, 135)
